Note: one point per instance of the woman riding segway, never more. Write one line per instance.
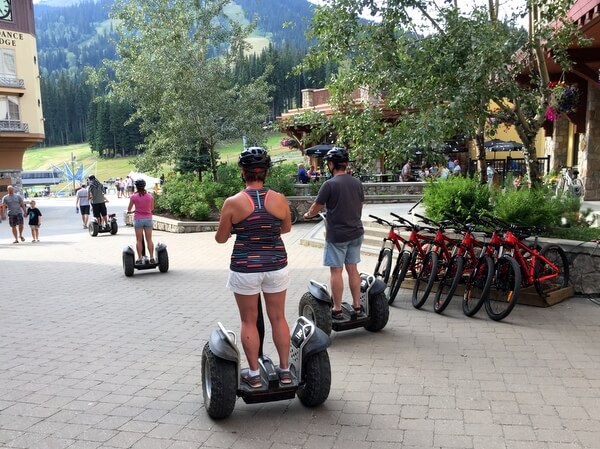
(142, 220)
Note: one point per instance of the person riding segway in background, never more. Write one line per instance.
(258, 216)
(142, 220)
(98, 201)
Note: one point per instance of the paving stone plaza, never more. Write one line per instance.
(92, 359)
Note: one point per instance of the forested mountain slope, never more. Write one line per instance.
(71, 35)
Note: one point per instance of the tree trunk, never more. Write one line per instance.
(481, 165)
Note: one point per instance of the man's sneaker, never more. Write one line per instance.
(152, 261)
(359, 312)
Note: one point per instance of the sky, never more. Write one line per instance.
(506, 6)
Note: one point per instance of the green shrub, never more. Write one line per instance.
(462, 198)
(529, 207)
(313, 187)
(281, 179)
(184, 196)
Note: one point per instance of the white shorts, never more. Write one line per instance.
(254, 283)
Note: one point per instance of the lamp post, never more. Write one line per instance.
(73, 158)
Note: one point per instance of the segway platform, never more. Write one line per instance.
(130, 264)
(310, 370)
(94, 227)
(350, 320)
(316, 305)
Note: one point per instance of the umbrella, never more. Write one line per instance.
(502, 145)
(455, 146)
(318, 150)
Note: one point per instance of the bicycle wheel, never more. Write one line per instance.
(505, 289)
(448, 283)
(556, 255)
(577, 188)
(384, 265)
(398, 275)
(477, 288)
(425, 279)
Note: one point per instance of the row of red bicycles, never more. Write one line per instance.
(491, 258)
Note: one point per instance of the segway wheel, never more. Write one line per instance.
(379, 310)
(319, 312)
(128, 264)
(93, 228)
(219, 384)
(163, 261)
(114, 227)
(316, 373)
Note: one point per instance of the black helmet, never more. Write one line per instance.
(337, 155)
(92, 178)
(254, 157)
(140, 184)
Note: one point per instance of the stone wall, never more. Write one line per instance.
(584, 260)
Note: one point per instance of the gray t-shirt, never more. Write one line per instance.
(13, 203)
(96, 192)
(343, 197)
(83, 196)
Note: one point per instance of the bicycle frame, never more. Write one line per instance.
(415, 240)
(517, 249)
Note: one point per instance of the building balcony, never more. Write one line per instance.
(13, 126)
(7, 81)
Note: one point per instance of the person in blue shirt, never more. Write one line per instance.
(302, 174)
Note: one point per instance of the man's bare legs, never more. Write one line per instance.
(337, 285)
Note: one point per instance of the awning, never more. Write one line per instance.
(318, 150)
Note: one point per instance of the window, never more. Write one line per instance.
(8, 67)
(9, 110)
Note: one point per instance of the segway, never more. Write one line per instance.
(316, 305)
(95, 228)
(308, 360)
(160, 254)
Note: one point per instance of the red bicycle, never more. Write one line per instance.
(438, 259)
(546, 268)
(411, 252)
(475, 270)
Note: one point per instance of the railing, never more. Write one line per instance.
(8, 81)
(512, 166)
(13, 126)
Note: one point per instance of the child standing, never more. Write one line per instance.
(35, 221)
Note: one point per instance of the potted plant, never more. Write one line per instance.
(563, 99)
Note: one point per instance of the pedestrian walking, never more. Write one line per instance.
(15, 206)
(35, 221)
(82, 204)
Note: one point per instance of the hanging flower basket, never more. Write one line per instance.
(563, 100)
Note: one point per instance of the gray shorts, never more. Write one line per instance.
(15, 220)
(142, 223)
(340, 254)
(254, 283)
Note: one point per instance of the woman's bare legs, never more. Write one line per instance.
(281, 331)
(149, 242)
(248, 306)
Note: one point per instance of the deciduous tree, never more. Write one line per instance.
(442, 66)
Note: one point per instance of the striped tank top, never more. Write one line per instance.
(258, 245)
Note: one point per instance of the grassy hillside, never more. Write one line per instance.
(47, 158)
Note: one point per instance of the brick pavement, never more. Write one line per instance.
(91, 359)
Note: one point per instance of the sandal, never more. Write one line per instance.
(251, 381)
(337, 314)
(285, 376)
(22, 238)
